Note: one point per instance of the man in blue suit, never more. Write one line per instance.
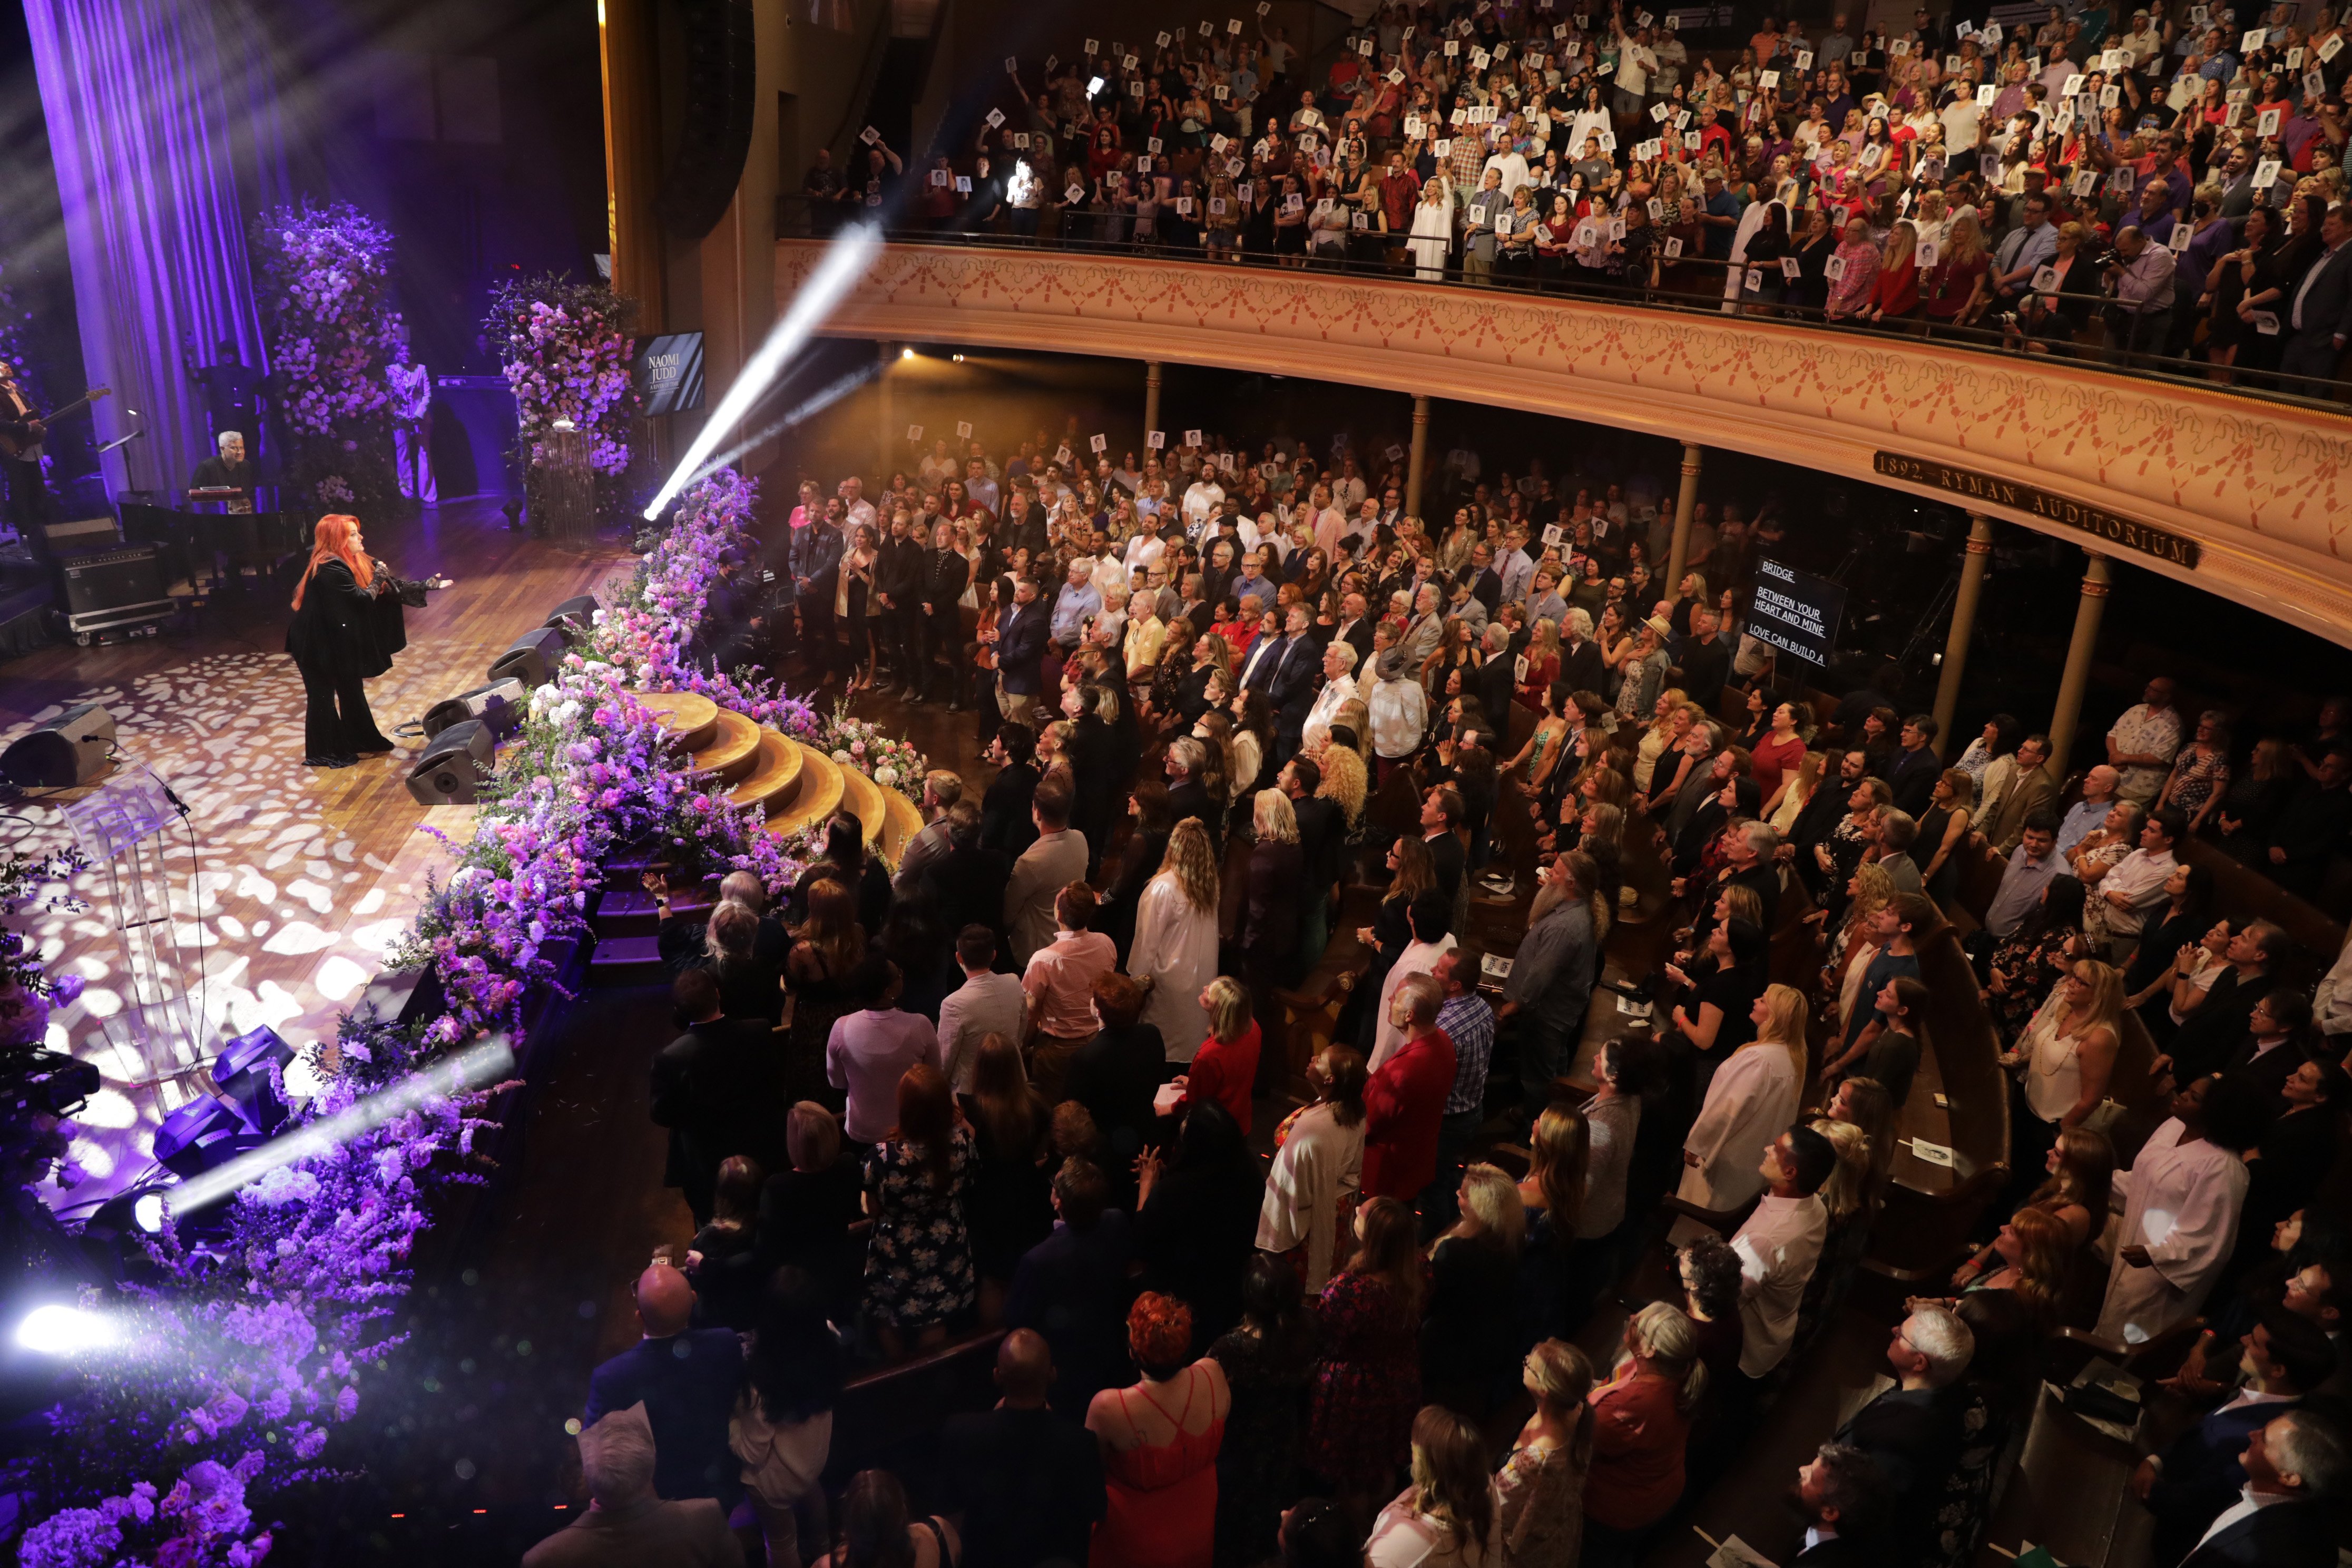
(1262, 655)
(1020, 647)
(1297, 675)
(2198, 1474)
(686, 1380)
(2318, 311)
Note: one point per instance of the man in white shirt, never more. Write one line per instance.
(860, 511)
(1202, 497)
(1145, 550)
(1518, 571)
(1780, 1244)
(2143, 742)
(1339, 686)
(2119, 905)
(986, 1004)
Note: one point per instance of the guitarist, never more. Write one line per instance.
(28, 497)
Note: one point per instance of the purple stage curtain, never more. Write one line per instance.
(163, 126)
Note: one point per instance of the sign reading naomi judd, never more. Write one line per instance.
(2118, 531)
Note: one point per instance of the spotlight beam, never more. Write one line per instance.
(480, 1064)
(823, 398)
(842, 267)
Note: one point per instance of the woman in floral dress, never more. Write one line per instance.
(919, 1262)
(1367, 1384)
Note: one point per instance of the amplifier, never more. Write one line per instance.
(114, 587)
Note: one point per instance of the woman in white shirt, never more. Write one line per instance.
(1433, 229)
(1750, 1100)
(1175, 944)
(1450, 1516)
(1318, 1165)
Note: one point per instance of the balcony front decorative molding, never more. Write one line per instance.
(2263, 488)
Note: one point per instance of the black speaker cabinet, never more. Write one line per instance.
(716, 131)
(531, 659)
(114, 587)
(455, 765)
(574, 617)
(499, 705)
(70, 748)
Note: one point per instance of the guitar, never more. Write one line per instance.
(27, 449)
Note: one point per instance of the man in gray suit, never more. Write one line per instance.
(2319, 309)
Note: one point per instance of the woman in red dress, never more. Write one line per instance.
(1225, 1067)
(1159, 1441)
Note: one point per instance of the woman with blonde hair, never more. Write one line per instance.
(1847, 1191)
(1541, 1484)
(1468, 1348)
(1670, 721)
(1641, 1428)
(1942, 832)
(1869, 890)
(1346, 783)
(334, 641)
(2030, 1259)
(1866, 1103)
(1267, 932)
(2064, 1059)
(1750, 1101)
(1175, 946)
(1225, 1066)
(1449, 1516)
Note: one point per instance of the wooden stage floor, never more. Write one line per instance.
(293, 881)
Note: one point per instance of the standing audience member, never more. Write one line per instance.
(872, 1050)
(1055, 859)
(1060, 981)
(1028, 1482)
(919, 1270)
(627, 1521)
(1780, 1244)
(1448, 1516)
(1318, 1163)
(684, 1378)
(2181, 1198)
(986, 1004)
(1159, 1440)
(1405, 1099)
(1641, 1427)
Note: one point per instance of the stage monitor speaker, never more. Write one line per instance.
(114, 580)
(715, 132)
(499, 705)
(533, 658)
(456, 763)
(241, 1073)
(574, 617)
(70, 748)
(201, 1134)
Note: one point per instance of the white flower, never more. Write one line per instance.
(887, 777)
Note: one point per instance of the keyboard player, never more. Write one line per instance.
(228, 470)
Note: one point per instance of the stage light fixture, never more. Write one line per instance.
(842, 266)
(906, 353)
(147, 1212)
(61, 1331)
(485, 1062)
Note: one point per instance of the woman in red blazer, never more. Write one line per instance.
(1640, 1424)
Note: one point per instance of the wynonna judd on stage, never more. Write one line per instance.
(349, 620)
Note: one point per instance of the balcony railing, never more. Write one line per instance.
(1687, 283)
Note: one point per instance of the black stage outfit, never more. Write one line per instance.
(338, 641)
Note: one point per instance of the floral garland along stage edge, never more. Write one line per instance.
(251, 1351)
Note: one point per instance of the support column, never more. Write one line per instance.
(1151, 396)
(1684, 505)
(886, 429)
(1417, 464)
(2077, 678)
(624, 33)
(1964, 622)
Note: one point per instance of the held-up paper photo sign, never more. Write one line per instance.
(1234, 27)
(1395, 75)
(1064, 455)
(1127, 62)
(1616, 228)
(1076, 194)
(914, 432)
(2295, 59)
(1951, 64)
(1657, 210)
(1755, 283)
(1674, 246)
(1453, 49)
(1191, 437)
(1184, 207)
(995, 118)
(1361, 221)
(1607, 140)
(2084, 181)
(1767, 78)
(1098, 442)
(963, 430)
(2045, 279)
(963, 184)
(1442, 148)
(1152, 146)
(1859, 59)
(1790, 269)
(1363, 45)
(2110, 96)
(1554, 535)
(2181, 235)
(1219, 92)
(1216, 206)
(2073, 85)
(2268, 125)
(2266, 174)
(1093, 48)
(1985, 95)
(1690, 141)
(870, 136)
(940, 178)
(2332, 47)
(1804, 60)
(1155, 439)
(1930, 253)
(1833, 268)
(1899, 48)
(1165, 40)
(2253, 41)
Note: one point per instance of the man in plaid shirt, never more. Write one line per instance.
(1469, 1023)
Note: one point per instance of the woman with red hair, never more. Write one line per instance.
(335, 643)
(1159, 1441)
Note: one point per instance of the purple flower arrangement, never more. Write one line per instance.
(248, 1354)
(565, 349)
(323, 279)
